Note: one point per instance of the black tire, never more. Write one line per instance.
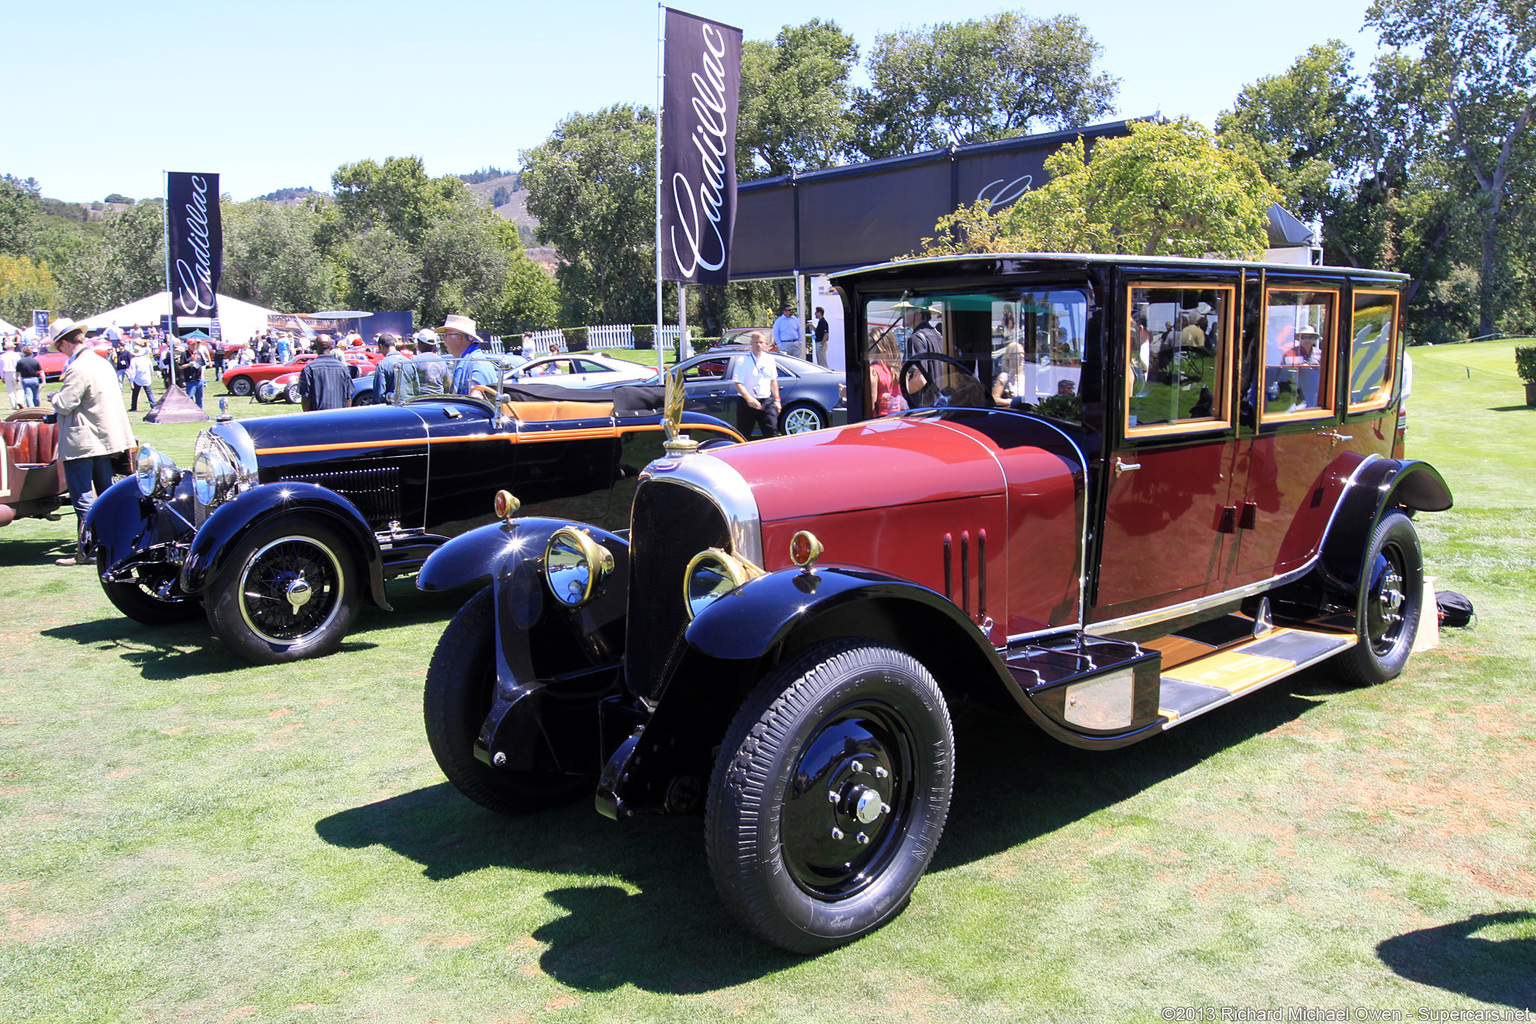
(139, 602)
(251, 603)
(364, 397)
(241, 386)
(786, 857)
(460, 690)
(1391, 606)
(266, 392)
(291, 394)
(801, 418)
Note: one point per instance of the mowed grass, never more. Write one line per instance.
(185, 837)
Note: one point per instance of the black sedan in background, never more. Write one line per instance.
(811, 397)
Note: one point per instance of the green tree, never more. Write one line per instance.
(529, 300)
(1164, 190)
(397, 195)
(19, 200)
(127, 264)
(979, 80)
(24, 286)
(591, 185)
(794, 100)
(501, 197)
(273, 256)
(1479, 57)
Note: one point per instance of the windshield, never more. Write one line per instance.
(1008, 347)
(431, 375)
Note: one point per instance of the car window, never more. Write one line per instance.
(1298, 352)
(1177, 350)
(587, 366)
(709, 369)
(1372, 349)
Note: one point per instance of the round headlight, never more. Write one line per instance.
(575, 566)
(212, 477)
(155, 471)
(710, 576)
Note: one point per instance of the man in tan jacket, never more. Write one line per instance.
(93, 424)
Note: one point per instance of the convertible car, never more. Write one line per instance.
(31, 475)
(283, 526)
(1116, 494)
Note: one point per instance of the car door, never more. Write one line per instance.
(1166, 519)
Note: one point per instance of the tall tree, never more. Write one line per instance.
(979, 80)
(794, 100)
(273, 257)
(19, 214)
(1480, 57)
(397, 195)
(1164, 190)
(24, 286)
(591, 185)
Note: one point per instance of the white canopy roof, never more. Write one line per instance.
(6, 328)
(238, 319)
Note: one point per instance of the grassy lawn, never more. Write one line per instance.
(185, 837)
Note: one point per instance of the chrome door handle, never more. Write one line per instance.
(1122, 467)
(1337, 436)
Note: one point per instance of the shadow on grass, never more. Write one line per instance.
(164, 652)
(1450, 957)
(607, 936)
(1512, 408)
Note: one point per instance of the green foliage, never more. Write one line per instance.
(644, 335)
(1525, 362)
(127, 263)
(575, 339)
(483, 175)
(501, 197)
(283, 194)
(119, 199)
(24, 286)
(273, 257)
(528, 301)
(1164, 190)
(794, 99)
(591, 186)
(396, 195)
(979, 80)
(18, 215)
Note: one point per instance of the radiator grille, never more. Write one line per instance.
(375, 492)
(672, 523)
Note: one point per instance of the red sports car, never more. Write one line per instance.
(243, 380)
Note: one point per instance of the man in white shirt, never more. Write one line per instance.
(788, 334)
(8, 360)
(757, 382)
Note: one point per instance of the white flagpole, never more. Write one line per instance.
(661, 74)
(165, 238)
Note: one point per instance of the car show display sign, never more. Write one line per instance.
(697, 167)
(194, 243)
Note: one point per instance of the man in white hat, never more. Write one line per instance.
(93, 424)
(475, 369)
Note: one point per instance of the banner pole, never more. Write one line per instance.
(165, 240)
(661, 74)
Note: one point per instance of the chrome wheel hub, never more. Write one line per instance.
(299, 593)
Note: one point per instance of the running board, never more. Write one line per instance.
(1204, 679)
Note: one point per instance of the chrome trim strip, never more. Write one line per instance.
(723, 485)
(1037, 634)
(1127, 623)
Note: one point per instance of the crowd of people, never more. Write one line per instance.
(137, 356)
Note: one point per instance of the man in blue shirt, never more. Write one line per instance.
(384, 373)
(475, 368)
(787, 333)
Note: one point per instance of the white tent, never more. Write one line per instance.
(6, 328)
(237, 319)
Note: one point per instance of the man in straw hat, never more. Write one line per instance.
(93, 424)
(475, 368)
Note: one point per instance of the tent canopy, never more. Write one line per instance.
(6, 328)
(237, 319)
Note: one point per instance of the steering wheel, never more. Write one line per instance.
(484, 391)
(914, 364)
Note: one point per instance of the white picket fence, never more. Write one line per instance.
(537, 343)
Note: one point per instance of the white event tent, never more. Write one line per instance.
(238, 319)
(6, 328)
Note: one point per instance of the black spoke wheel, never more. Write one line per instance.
(241, 386)
(460, 691)
(289, 590)
(140, 600)
(1391, 604)
(830, 794)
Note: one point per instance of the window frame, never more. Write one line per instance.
(1382, 396)
(1224, 367)
(1328, 382)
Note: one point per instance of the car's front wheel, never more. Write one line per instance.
(460, 691)
(290, 590)
(266, 391)
(140, 600)
(291, 394)
(802, 418)
(1394, 601)
(829, 795)
(241, 386)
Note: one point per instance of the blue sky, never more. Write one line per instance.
(280, 93)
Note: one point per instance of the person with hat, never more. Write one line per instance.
(93, 424)
(1303, 349)
(788, 336)
(474, 368)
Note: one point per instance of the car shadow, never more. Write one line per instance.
(1450, 957)
(164, 653)
(1512, 408)
(606, 936)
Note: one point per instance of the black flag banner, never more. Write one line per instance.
(194, 242)
(700, 95)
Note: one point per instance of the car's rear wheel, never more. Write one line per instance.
(460, 691)
(290, 590)
(291, 394)
(140, 600)
(241, 386)
(829, 795)
(266, 391)
(1393, 603)
(801, 418)
(364, 397)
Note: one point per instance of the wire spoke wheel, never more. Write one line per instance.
(290, 588)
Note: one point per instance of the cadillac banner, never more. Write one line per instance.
(701, 89)
(194, 243)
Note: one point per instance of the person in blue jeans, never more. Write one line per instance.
(30, 372)
(190, 372)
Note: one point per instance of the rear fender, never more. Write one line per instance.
(233, 520)
(1381, 486)
(127, 527)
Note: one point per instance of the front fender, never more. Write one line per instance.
(231, 521)
(122, 525)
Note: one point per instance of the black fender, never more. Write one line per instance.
(233, 520)
(1380, 486)
(554, 664)
(126, 527)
